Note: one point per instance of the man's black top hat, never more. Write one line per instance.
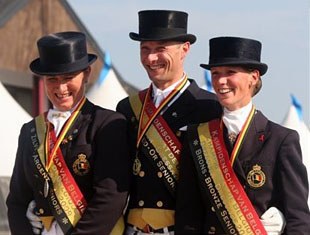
(62, 53)
(235, 51)
(162, 25)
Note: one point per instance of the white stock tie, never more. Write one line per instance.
(58, 119)
(159, 97)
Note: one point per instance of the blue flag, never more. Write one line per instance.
(208, 81)
(106, 67)
(297, 106)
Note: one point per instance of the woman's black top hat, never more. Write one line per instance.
(235, 51)
(162, 25)
(62, 53)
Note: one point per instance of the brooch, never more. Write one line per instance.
(256, 177)
(81, 165)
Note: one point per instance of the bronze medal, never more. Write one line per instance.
(136, 166)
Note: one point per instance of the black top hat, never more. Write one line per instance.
(160, 25)
(61, 53)
(234, 51)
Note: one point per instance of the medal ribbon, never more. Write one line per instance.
(241, 135)
(151, 111)
(51, 152)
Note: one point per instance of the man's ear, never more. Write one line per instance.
(185, 49)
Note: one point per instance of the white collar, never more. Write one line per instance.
(234, 120)
(166, 92)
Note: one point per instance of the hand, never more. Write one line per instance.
(34, 220)
(54, 230)
(273, 220)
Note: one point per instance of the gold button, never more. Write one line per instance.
(141, 173)
(159, 204)
(141, 203)
(41, 211)
(178, 133)
(212, 209)
(159, 174)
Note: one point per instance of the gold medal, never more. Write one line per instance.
(46, 188)
(136, 166)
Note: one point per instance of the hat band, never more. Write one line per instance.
(163, 32)
(75, 65)
(232, 60)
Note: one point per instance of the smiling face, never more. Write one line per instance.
(234, 85)
(65, 91)
(163, 61)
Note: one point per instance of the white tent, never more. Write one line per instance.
(107, 91)
(12, 118)
(293, 120)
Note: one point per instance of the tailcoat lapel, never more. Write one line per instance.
(183, 108)
(254, 140)
(83, 119)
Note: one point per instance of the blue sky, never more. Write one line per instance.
(281, 25)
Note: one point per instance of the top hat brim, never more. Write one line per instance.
(36, 67)
(261, 67)
(182, 38)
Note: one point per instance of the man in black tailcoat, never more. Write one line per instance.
(157, 116)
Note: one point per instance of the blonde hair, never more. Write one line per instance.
(259, 83)
(258, 86)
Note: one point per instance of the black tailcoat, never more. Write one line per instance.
(194, 105)
(98, 133)
(277, 150)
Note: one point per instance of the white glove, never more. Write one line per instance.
(54, 230)
(273, 220)
(34, 220)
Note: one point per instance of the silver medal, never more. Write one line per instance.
(46, 188)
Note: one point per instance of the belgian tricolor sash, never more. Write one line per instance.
(155, 138)
(218, 180)
(60, 189)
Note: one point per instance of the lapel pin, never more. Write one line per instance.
(174, 114)
(261, 138)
